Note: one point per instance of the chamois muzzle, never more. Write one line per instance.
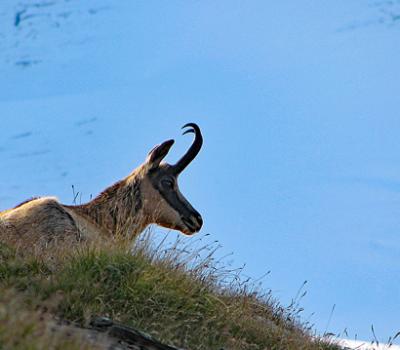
(192, 151)
(193, 223)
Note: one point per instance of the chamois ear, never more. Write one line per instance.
(158, 153)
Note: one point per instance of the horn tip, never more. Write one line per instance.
(188, 131)
(192, 125)
(194, 128)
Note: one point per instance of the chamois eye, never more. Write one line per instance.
(168, 183)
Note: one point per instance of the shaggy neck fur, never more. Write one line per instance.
(118, 208)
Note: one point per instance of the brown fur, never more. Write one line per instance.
(123, 209)
(119, 210)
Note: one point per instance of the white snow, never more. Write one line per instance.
(362, 345)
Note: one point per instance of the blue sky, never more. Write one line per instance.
(298, 103)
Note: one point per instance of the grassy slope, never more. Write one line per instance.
(176, 293)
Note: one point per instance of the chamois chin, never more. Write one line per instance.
(149, 195)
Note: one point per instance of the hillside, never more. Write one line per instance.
(176, 293)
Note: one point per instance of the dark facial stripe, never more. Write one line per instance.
(176, 201)
(172, 196)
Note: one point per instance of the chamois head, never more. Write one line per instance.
(163, 202)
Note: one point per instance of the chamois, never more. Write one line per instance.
(149, 195)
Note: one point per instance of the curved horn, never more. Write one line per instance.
(193, 150)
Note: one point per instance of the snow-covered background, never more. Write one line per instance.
(361, 345)
(298, 102)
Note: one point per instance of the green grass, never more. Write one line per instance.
(179, 294)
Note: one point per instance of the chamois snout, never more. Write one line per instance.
(193, 222)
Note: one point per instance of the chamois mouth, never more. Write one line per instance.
(193, 224)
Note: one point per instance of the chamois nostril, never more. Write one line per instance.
(194, 222)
